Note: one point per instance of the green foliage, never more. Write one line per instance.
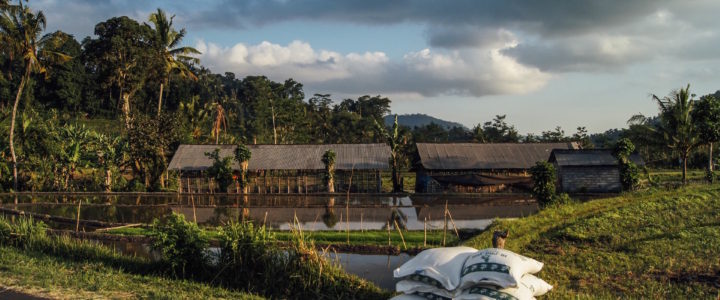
(497, 131)
(629, 176)
(543, 175)
(623, 148)
(221, 170)
(709, 176)
(629, 172)
(328, 159)
(394, 140)
(149, 139)
(181, 244)
(242, 156)
(22, 232)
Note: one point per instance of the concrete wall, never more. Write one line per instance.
(591, 179)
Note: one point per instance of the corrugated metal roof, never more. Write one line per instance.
(287, 157)
(585, 157)
(473, 156)
(589, 157)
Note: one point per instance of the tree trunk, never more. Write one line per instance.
(12, 125)
(243, 176)
(160, 99)
(126, 108)
(331, 179)
(272, 108)
(684, 170)
(710, 157)
(108, 180)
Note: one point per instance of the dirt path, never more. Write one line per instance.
(7, 294)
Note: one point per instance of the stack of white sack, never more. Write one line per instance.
(466, 273)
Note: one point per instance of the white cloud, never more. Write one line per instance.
(472, 71)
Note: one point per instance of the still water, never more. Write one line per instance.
(278, 211)
(375, 268)
(356, 212)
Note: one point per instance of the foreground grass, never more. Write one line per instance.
(413, 239)
(47, 276)
(652, 244)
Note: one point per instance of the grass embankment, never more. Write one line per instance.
(58, 266)
(651, 244)
(47, 276)
(413, 238)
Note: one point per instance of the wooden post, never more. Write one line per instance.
(401, 235)
(347, 220)
(447, 211)
(425, 232)
(498, 239)
(445, 224)
(77, 225)
(388, 231)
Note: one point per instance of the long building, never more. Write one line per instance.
(473, 167)
(289, 168)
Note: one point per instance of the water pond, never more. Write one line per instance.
(278, 211)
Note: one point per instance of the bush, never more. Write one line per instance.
(182, 246)
(629, 175)
(23, 233)
(543, 175)
(709, 176)
(221, 170)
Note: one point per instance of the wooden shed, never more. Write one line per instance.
(587, 171)
(289, 169)
(473, 167)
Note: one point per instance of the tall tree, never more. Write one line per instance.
(172, 58)
(677, 125)
(119, 53)
(497, 131)
(706, 116)
(22, 29)
(394, 140)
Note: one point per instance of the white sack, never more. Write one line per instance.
(497, 267)
(439, 267)
(538, 286)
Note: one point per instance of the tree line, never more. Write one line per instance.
(112, 108)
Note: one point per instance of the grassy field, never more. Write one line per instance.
(651, 244)
(413, 239)
(47, 276)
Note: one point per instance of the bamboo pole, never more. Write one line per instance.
(445, 225)
(192, 199)
(425, 232)
(77, 224)
(447, 211)
(401, 235)
(388, 232)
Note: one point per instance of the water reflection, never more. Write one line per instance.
(278, 212)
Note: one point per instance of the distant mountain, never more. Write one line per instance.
(418, 120)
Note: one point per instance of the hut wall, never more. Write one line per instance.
(591, 179)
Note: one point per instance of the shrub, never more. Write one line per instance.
(709, 176)
(629, 175)
(543, 175)
(182, 245)
(629, 172)
(221, 170)
(247, 254)
(22, 233)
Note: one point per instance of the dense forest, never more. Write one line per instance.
(90, 114)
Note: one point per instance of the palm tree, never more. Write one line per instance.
(21, 29)
(677, 125)
(173, 59)
(219, 122)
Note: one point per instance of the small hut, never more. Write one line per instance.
(473, 167)
(286, 169)
(588, 170)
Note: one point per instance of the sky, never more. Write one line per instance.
(542, 63)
